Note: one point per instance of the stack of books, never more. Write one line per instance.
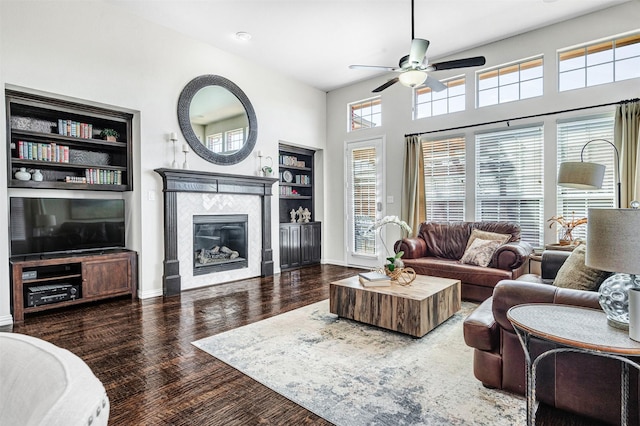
(374, 279)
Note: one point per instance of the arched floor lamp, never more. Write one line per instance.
(585, 175)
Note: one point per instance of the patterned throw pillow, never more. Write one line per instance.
(575, 274)
(480, 252)
(486, 235)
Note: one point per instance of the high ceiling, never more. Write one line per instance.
(315, 41)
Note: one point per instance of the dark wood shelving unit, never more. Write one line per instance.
(40, 123)
(300, 242)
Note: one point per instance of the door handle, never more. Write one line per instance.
(379, 206)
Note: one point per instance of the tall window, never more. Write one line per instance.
(365, 114)
(572, 136)
(444, 179)
(520, 80)
(598, 63)
(429, 103)
(364, 192)
(509, 179)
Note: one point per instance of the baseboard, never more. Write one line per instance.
(6, 320)
(333, 262)
(149, 294)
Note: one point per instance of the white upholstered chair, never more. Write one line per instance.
(43, 384)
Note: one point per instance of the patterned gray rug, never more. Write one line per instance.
(352, 374)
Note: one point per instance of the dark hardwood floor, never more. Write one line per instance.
(142, 352)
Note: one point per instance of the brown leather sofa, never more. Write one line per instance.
(438, 247)
(581, 384)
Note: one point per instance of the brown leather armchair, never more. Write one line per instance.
(438, 247)
(582, 384)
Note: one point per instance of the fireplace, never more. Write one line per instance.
(219, 243)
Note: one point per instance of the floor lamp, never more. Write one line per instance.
(585, 175)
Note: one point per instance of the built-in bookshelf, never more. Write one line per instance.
(300, 234)
(64, 145)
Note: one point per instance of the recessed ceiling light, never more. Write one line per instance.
(243, 36)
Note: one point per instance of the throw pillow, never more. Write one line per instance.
(486, 235)
(575, 274)
(480, 252)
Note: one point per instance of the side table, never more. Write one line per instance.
(575, 329)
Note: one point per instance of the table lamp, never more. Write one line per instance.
(613, 240)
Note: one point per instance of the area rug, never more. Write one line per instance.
(352, 374)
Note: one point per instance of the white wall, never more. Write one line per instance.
(397, 121)
(96, 52)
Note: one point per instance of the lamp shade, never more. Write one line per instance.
(613, 239)
(412, 78)
(45, 220)
(581, 175)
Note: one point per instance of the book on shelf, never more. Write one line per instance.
(374, 279)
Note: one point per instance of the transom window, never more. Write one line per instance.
(599, 63)
(508, 83)
(428, 103)
(444, 179)
(509, 180)
(365, 114)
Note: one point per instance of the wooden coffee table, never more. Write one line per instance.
(414, 310)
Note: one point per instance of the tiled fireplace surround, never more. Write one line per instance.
(188, 193)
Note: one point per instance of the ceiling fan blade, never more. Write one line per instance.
(372, 67)
(458, 63)
(385, 85)
(418, 51)
(435, 84)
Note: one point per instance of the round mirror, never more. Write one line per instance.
(217, 120)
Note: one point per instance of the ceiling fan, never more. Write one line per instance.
(414, 69)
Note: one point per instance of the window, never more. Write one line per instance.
(235, 139)
(365, 182)
(429, 103)
(509, 178)
(365, 114)
(572, 136)
(599, 63)
(444, 179)
(214, 142)
(509, 83)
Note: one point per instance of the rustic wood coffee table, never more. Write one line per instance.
(415, 309)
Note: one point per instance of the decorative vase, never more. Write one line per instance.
(37, 176)
(23, 174)
(566, 239)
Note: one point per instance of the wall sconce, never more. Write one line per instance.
(173, 137)
(584, 175)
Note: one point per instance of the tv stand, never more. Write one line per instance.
(80, 279)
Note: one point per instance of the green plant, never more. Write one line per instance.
(109, 132)
(395, 261)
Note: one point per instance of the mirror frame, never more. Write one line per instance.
(184, 102)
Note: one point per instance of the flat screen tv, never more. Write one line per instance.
(44, 226)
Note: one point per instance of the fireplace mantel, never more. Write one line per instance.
(176, 180)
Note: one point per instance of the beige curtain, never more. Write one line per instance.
(413, 203)
(627, 139)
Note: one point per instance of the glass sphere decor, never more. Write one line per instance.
(614, 298)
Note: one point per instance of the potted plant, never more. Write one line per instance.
(109, 134)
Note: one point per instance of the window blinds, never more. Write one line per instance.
(572, 136)
(509, 179)
(364, 191)
(444, 179)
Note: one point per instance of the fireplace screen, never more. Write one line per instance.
(219, 243)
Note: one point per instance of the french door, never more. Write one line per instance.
(364, 195)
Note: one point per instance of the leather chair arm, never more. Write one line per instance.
(552, 260)
(413, 248)
(511, 256)
(480, 328)
(509, 293)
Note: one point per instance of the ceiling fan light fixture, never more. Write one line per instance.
(412, 78)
